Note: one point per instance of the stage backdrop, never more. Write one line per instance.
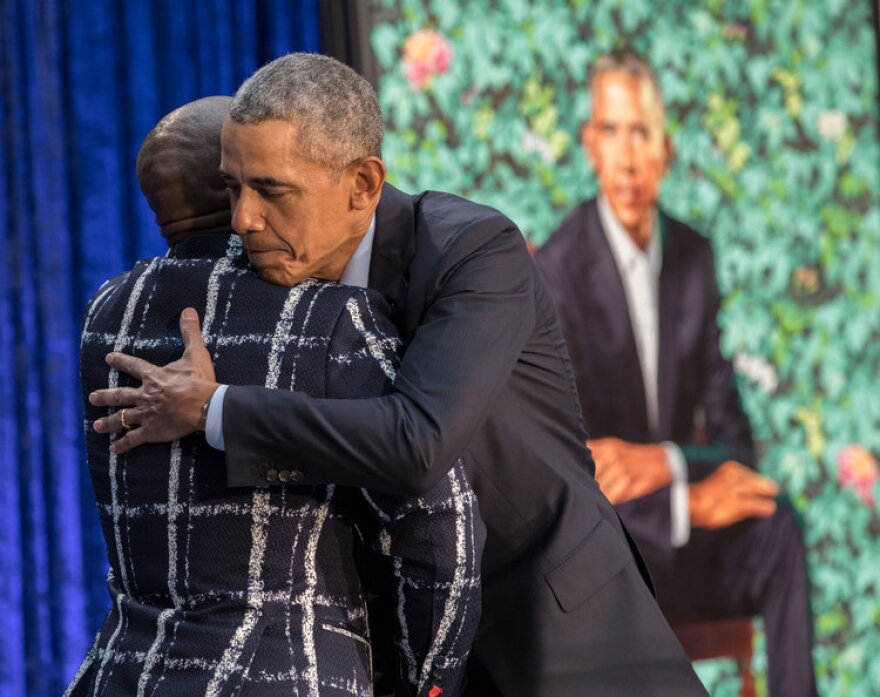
(773, 107)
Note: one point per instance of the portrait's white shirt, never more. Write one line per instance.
(639, 270)
(355, 273)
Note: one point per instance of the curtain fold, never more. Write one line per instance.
(81, 83)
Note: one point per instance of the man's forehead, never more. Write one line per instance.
(266, 154)
(613, 87)
(274, 131)
(265, 145)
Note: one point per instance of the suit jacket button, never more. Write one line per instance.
(296, 476)
(272, 475)
(284, 476)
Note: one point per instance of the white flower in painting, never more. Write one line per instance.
(758, 370)
(533, 143)
(832, 124)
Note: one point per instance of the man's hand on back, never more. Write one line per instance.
(729, 495)
(629, 470)
(168, 404)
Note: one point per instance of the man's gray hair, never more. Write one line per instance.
(334, 109)
(628, 61)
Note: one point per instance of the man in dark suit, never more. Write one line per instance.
(484, 377)
(220, 590)
(636, 295)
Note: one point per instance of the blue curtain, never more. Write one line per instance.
(81, 83)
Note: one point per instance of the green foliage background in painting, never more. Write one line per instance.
(773, 108)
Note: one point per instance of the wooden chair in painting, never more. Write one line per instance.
(721, 639)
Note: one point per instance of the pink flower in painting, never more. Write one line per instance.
(857, 469)
(806, 279)
(426, 53)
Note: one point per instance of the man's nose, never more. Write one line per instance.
(247, 214)
(626, 152)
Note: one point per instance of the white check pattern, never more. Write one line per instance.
(222, 591)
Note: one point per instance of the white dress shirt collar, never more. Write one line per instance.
(623, 247)
(357, 270)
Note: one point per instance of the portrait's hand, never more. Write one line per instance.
(629, 470)
(168, 404)
(730, 494)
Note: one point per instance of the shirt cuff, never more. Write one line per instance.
(214, 420)
(678, 495)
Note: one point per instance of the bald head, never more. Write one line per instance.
(178, 170)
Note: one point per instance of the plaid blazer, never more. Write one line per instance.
(220, 590)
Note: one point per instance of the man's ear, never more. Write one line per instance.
(369, 176)
(585, 136)
(588, 142)
(668, 151)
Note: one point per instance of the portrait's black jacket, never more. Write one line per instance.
(756, 566)
(695, 381)
(485, 377)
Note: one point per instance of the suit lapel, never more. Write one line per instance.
(393, 250)
(617, 332)
(670, 296)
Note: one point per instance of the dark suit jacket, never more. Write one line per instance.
(253, 591)
(694, 380)
(485, 376)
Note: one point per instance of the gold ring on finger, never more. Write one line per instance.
(126, 426)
